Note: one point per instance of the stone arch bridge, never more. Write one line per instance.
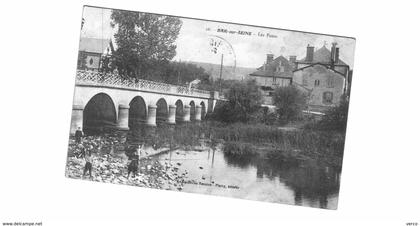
(125, 102)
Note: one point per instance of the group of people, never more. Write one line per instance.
(86, 154)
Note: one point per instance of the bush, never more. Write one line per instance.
(269, 118)
(264, 115)
(238, 149)
(290, 102)
(335, 118)
(244, 100)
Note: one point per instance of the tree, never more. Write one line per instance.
(181, 73)
(290, 102)
(144, 41)
(244, 100)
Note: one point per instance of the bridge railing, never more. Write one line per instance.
(114, 80)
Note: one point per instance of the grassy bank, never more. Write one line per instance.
(250, 140)
(273, 143)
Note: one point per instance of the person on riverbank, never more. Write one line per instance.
(78, 135)
(81, 152)
(133, 166)
(88, 164)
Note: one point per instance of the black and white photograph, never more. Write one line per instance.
(210, 107)
(209, 113)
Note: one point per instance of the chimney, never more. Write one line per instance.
(270, 58)
(309, 53)
(292, 59)
(333, 53)
(337, 55)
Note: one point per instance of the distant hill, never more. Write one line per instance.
(228, 71)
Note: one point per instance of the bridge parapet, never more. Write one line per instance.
(114, 80)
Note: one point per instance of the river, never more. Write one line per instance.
(210, 171)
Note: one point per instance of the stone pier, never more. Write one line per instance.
(76, 119)
(198, 113)
(123, 117)
(171, 114)
(187, 113)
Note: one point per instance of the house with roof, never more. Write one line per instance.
(91, 51)
(324, 56)
(273, 73)
(323, 75)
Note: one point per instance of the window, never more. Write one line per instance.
(330, 82)
(317, 82)
(280, 68)
(327, 98)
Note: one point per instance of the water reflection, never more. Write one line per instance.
(309, 180)
(306, 183)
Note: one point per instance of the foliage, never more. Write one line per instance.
(273, 141)
(179, 73)
(144, 41)
(244, 100)
(108, 63)
(244, 140)
(290, 102)
(238, 149)
(335, 118)
(210, 84)
(266, 116)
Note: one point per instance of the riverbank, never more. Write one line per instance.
(110, 158)
(238, 140)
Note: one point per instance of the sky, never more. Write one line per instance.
(245, 46)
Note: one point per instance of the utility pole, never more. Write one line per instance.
(220, 78)
(178, 67)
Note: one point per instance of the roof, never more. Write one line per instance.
(322, 55)
(95, 45)
(271, 69)
(320, 64)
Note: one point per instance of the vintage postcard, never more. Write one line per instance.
(210, 107)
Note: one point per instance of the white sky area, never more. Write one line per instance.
(193, 43)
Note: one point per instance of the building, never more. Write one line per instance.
(91, 50)
(324, 85)
(273, 73)
(323, 76)
(324, 56)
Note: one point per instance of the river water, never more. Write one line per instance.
(210, 171)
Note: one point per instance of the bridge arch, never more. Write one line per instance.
(179, 113)
(120, 94)
(203, 110)
(192, 111)
(99, 113)
(137, 114)
(161, 111)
